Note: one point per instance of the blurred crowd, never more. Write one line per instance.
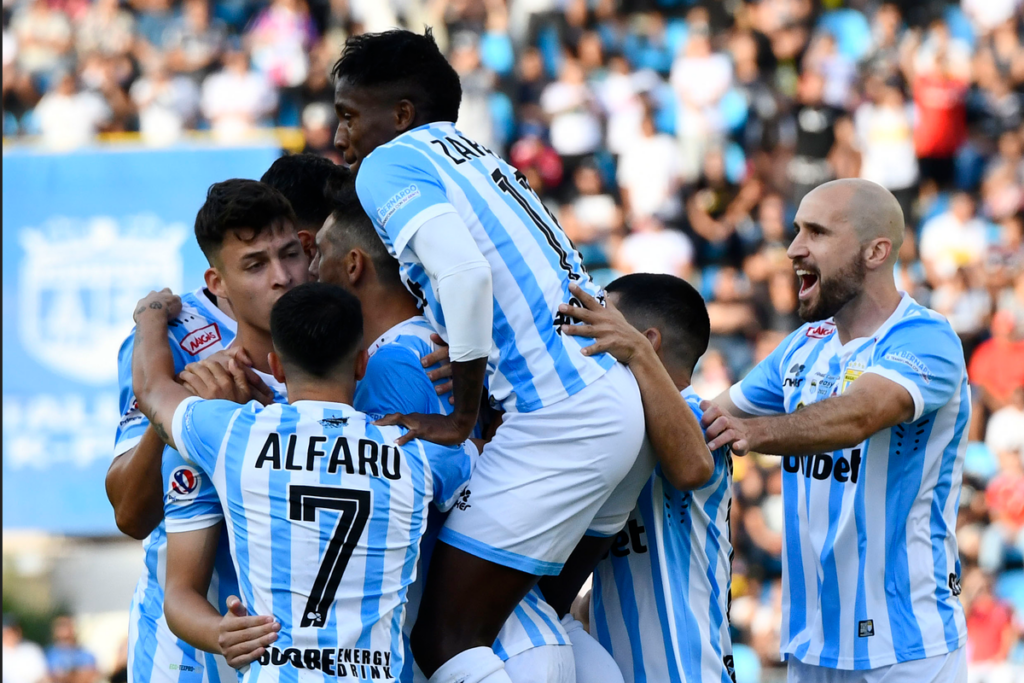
(63, 661)
(673, 136)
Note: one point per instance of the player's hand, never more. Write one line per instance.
(610, 331)
(165, 300)
(242, 638)
(258, 388)
(722, 429)
(209, 379)
(443, 372)
(442, 429)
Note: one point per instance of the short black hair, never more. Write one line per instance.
(303, 179)
(410, 63)
(316, 327)
(352, 227)
(670, 304)
(236, 204)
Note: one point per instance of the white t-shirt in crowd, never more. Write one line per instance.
(667, 252)
(648, 170)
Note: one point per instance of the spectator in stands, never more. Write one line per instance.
(194, 41)
(649, 174)
(815, 134)
(69, 117)
(952, 240)
(477, 86)
(105, 28)
(572, 111)
(997, 366)
(23, 660)
(237, 98)
(44, 38)
(167, 104)
(67, 661)
(651, 248)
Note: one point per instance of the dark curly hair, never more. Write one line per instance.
(409, 64)
(303, 179)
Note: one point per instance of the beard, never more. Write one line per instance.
(834, 292)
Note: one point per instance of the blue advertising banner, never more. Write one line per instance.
(85, 236)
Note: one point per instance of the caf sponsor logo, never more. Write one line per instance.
(79, 281)
(184, 484)
(203, 338)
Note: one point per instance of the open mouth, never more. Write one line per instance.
(808, 282)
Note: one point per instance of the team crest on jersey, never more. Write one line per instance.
(821, 331)
(184, 485)
(203, 338)
(853, 371)
(78, 283)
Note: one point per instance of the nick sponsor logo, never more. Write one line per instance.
(203, 338)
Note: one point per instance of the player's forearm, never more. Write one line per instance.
(135, 487)
(830, 425)
(153, 373)
(467, 388)
(191, 617)
(672, 428)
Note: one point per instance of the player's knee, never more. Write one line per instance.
(435, 640)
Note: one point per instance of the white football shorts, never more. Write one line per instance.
(545, 475)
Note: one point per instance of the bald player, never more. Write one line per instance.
(868, 405)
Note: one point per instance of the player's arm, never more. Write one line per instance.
(190, 559)
(159, 395)
(870, 404)
(452, 259)
(134, 486)
(672, 428)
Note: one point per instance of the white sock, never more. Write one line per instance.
(475, 665)
(593, 663)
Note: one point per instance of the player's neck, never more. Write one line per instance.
(384, 308)
(325, 391)
(257, 343)
(864, 314)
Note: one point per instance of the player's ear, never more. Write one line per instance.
(276, 367)
(653, 335)
(355, 266)
(214, 282)
(876, 253)
(308, 243)
(405, 115)
(362, 358)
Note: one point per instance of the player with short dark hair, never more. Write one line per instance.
(247, 230)
(660, 599)
(303, 179)
(490, 266)
(532, 642)
(324, 510)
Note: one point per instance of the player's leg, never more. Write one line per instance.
(560, 591)
(593, 663)
(544, 664)
(536, 488)
(467, 612)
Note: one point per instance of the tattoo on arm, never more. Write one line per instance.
(161, 432)
(156, 305)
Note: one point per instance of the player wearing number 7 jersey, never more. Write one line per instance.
(490, 266)
(312, 479)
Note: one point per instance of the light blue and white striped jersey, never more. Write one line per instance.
(434, 170)
(870, 567)
(200, 330)
(396, 381)
(660, 600)
(324, 515)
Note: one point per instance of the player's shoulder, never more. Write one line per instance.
(922, 326)
(406, 150)
(413, 336)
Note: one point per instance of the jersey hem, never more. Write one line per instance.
(511, 403)
(506, 558)
(178, 426)
(176, 526)
(898, 657)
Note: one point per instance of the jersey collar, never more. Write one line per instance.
(394, 332)
(213, 311)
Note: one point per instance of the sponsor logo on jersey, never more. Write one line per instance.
(912, 362)
(400, 199)
(78, 283)
(203, 338)
(463, 501)
(337, 662)
(866, 628)
(184, 484)
(954, 584)
(821, 331)
(825, 466)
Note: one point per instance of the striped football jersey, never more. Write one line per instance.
(871, 571)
